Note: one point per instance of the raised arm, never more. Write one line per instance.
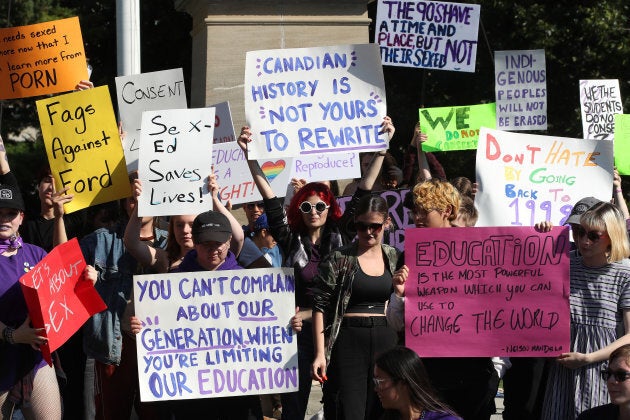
(620, 201)
(59, 230)
(238, 237)
(148, 256)
(259, 177)
(372, 172)
(424, 172)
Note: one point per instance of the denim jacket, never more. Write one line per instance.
(105, 250)
(333, 286)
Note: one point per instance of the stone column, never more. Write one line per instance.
(224, 30)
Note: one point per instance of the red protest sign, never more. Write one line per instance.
(57, 296)
(487, 291)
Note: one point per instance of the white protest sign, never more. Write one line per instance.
(525, 178)
(315, 100)
(216, 333)
(326, 167)
(223, 126)
(175, 161)
(428, 34)
(146, 92)
(235, 179)
(521, 89)
(600, 100)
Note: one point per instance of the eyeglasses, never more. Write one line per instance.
(374, 227)
(620, 375)
(379, 381)
(591, 235)
(252, 206)
(306, 207)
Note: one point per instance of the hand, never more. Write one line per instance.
(213, 185)
(543, 227)
(297, 184)
(573, 360)
(318, 369)
(388, 127)
(245, 138)
(616, 178)
(24, 334)
(399, 279)
(418, 137)
(296, 320)
(90, 273)
(136, 324)
(136, 188)
(84, 85)
(59, 198)
(121, 132)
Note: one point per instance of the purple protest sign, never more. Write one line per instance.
(495, 291)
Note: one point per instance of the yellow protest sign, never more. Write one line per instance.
(41, 59)
(83, 147)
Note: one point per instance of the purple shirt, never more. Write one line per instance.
(16, 360)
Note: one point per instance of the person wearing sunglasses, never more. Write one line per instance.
(600, 313)
(617, 377)
(309, 229)
(351, 290)
(404, 389)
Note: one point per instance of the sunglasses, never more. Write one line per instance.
(306, 207)
(591, 235)
(620, 375)
(374, 227)
(252, 206)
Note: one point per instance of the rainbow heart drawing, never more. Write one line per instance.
(272, 169)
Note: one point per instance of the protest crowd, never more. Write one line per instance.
(365, 301)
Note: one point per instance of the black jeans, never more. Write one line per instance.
(351, 390)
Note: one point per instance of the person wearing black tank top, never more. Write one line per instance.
(349, 325)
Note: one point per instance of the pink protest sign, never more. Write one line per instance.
(493, 291)
(57, 296)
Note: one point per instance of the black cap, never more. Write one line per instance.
(11, 198)
(580, 208)
(211, 226)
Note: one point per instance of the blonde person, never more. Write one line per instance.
(467, 384)
(600, 313)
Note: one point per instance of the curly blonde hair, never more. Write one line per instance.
(434, 194)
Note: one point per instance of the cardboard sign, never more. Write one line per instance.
(41, 59)
(83, 147)
(521, 90)
(428, 34)
(478, 292)
(216, 334)
(315, 100)
(401, 218)
(174, 163)
(146, 92)
(524, 179)
(57, 296)
(223, 126)
(600, 101)
(326, 167)
(622, 143)
(455, 127)
(235, 179)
